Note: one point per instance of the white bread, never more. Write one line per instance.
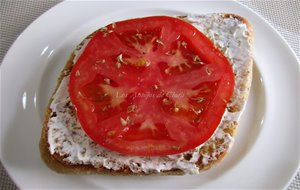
(65, 147)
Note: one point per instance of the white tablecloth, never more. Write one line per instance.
(15, 16)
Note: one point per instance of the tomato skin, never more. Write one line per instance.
(123, 87)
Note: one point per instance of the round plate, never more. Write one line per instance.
(266, 149)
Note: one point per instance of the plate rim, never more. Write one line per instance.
(4, 61)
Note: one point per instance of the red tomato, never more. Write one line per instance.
(150, 86)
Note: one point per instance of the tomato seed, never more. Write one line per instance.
(118, 65)
(198, 99)
(120, 58)
(131, 108)
(166, 101)
(123, 121)
(197, 112)
(139, 36)
(155, 87)
(111, 133)
(77, 74)
(159, 42)
(208, 71)
(175, 147)
(107, 81)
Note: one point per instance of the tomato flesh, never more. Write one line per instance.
(150, 86)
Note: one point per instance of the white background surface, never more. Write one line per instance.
(257, 53)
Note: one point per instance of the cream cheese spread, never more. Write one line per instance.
(66, 138)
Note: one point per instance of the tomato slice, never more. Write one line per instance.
(150, 86)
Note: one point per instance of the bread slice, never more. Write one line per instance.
(65, 147)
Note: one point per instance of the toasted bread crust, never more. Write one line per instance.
(58, 164)
(247, 82)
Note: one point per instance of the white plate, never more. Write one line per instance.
(266, 151)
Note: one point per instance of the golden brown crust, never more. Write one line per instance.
(58, 164)
(207, 149)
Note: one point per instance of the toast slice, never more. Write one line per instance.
(65, 147)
